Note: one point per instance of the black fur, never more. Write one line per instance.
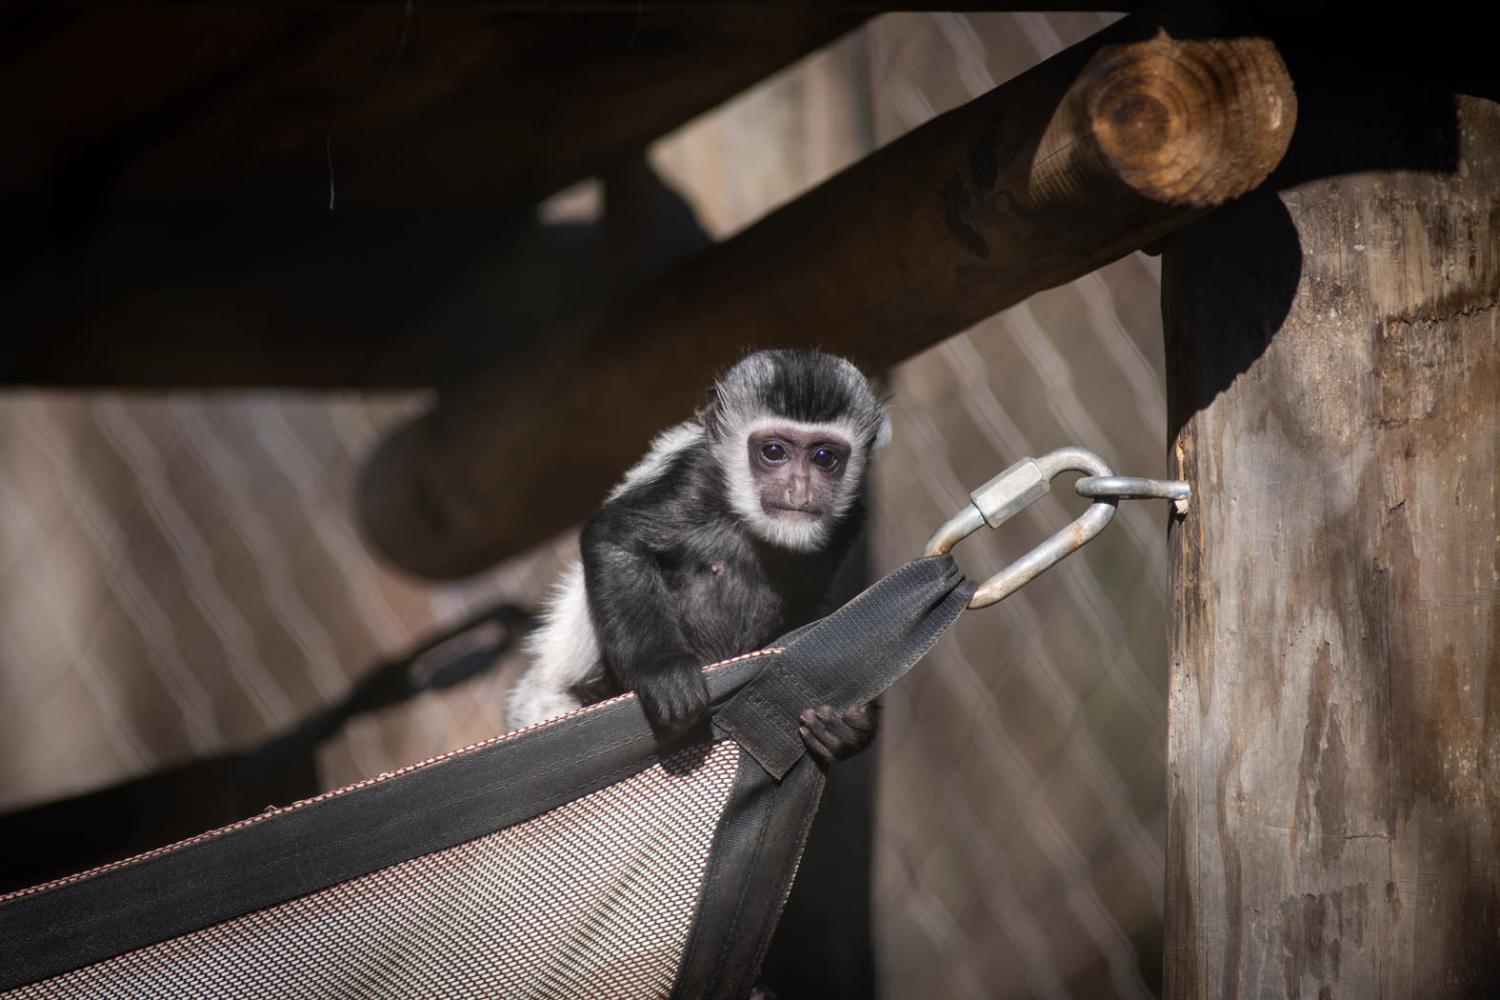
(800, 385)
(675, 580)
(674, 574)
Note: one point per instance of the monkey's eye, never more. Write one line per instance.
(826, 459)
(773, 452)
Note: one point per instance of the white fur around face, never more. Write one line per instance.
(564, 651)
(732, 452)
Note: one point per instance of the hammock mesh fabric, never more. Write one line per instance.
(580, 858)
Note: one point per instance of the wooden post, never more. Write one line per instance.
(1333, 357)
(1096, 152)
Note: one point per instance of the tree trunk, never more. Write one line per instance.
(1333, 358)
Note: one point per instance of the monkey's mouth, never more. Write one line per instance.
(788, 512)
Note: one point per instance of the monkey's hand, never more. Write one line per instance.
(673, 693)
(837, 734)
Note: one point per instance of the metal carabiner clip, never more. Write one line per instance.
(1011, 492)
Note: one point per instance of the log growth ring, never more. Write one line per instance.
(1191, 122)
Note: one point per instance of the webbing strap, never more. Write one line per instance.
(845, 659)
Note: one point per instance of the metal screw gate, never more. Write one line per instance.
(1030, 479)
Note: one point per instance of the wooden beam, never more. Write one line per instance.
(296, 197)
(357, 106)
(1096, 152)
(370, 300)
(593, 94)
(702, 6)
(1333, 356)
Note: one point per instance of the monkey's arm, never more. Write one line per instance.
(634, 616)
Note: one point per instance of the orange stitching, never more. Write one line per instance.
(332, 793)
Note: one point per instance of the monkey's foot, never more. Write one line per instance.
(836, 734)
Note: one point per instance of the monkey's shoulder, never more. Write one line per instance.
(682, 445)
(671, 529)
(668, 492)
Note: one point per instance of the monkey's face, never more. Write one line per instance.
(791, 433)
(798, 474)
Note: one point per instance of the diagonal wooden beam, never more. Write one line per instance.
(285, 196)
(367, 300)
(363, 105)
(1087, 157)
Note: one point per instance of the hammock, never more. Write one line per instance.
(578, 858)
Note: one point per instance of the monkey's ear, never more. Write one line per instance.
(883, 435)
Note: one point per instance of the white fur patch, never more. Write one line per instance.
(733, 457)
(664, 447)
(564, 651)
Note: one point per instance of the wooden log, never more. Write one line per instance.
(382, 300)
(699, 6)
(352, 107)
(1083, 159)
(1333, 358)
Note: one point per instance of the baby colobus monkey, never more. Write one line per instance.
(726, 535)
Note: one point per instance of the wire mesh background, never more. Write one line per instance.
(179, 574)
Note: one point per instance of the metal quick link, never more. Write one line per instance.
(1021, 485)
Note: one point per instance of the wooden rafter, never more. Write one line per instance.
(252, 194)
(1091, 155)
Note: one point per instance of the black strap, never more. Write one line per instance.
(57, 838)
(845, 659)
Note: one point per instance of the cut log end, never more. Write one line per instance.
(1191, 122)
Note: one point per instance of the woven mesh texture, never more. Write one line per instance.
(593, 899)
